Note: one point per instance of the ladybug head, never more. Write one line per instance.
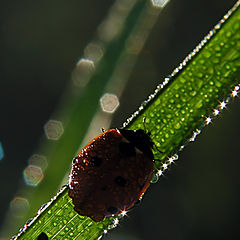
(140, 139)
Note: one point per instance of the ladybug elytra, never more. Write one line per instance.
(111, 173)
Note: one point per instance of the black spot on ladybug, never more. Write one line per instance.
(42, 236)
(96, 161)
(104, 188)
(120, 181)
(141, 186)
(112, 210)
(127, 149)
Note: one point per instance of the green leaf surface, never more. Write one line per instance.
(57, 220)
(183, 103)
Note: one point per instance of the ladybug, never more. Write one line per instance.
(111, 173)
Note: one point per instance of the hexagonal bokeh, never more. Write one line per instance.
(83, 71)
(159, 3)
(53, 129)
(109, 102)
(19, 206)
(94, 51)
(38, 160)
(33, 175)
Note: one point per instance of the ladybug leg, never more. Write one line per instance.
(97, 218)
(155, 146)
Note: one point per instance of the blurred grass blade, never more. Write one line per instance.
(195, 92)
(105, 65)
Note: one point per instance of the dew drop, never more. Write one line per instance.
(236, 26)
(207, 54)
(215, 60)
(210, 90)
(152, 115)
(177, 126)
(199, 83)
(190, 74)
(193, 93)
(155, 177)
(199, 104)
(228, 67)
(228, 34)
(211, 83)
(183, 111)
(172, 131)
(164, 120)
(166, 135)
(199, 74)
(227, 46)
(71, 214)
(183, 99)
(217, 48)
(182, 80)
(218, 84)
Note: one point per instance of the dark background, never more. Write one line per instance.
(40, 42)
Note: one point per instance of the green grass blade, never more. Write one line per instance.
(50, 221)
(179, 106)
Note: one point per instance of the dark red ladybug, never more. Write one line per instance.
(111, 173)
